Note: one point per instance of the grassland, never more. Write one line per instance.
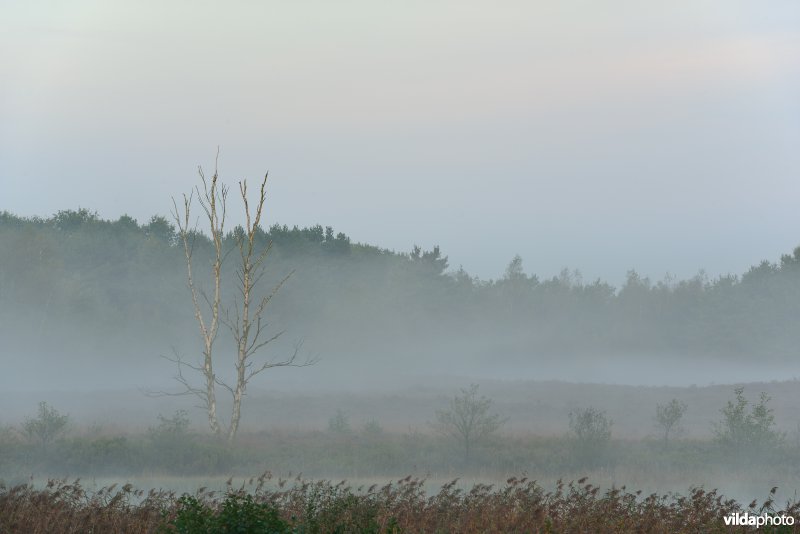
(133, 475)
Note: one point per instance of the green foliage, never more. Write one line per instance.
(45, 427)
(112, 280)
(191, 516)
(361, 455)
(668, 417)
(175, 426)
(591, 433)
(170, 436)
(590, 425)
(747, 432)
(99, 455)
(175, 448)
(161, 229)
(10, 447)
(468, 419)
(429, 263)
(373, 429)
(74, 220)
(339, 423)
(238, 514)
(241, 514)
(325, 507)
(518, 505)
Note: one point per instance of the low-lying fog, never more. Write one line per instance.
(92, 311)
(45, 374)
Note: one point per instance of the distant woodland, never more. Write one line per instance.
(75, 280)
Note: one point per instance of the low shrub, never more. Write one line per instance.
(238, 513)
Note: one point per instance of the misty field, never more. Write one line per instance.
(490, 404)
(533, 475)
(384, 267)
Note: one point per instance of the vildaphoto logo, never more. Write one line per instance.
(746, 519)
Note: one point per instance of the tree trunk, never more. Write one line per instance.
(211, 396)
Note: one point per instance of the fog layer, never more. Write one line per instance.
(87, 303)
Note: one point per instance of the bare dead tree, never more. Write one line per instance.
(244, 318)
(213, 199)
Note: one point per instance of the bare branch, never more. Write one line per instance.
(291, 361)
(224, 384)
(181, 379)
(254, 347)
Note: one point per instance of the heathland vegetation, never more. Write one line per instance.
(745, 442)
(267, 506)
(91, 298)
(464, 437)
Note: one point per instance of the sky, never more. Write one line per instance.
(601, 136)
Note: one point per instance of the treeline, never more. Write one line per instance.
(77, 280)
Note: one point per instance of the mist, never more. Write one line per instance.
(95, 311)
(578, 220)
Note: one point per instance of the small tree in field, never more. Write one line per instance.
(743, 432)
(468, 419)
(339, 423)
(590, 425)
(591, 434)
(45, 427)
(668, 417)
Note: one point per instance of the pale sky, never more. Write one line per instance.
(603, 136)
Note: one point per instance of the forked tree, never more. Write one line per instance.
(668, 417)
(244, 317)
(468, 419)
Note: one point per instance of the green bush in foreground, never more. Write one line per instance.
(239, 513)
